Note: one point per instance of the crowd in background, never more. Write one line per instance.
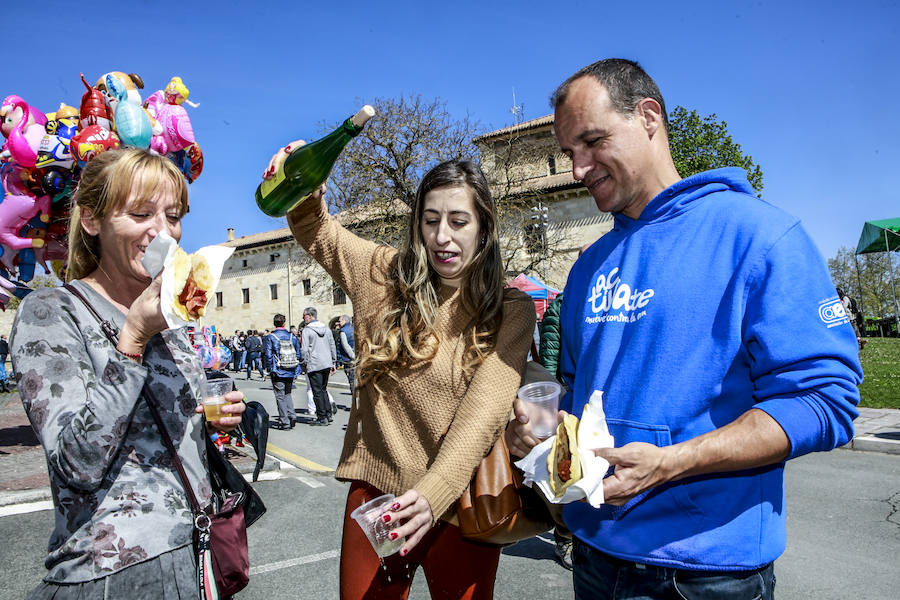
(241, 358)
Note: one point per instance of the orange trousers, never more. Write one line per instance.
(454, 567)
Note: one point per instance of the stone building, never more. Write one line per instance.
(525, 160)
(270, 273)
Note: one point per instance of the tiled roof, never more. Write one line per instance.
(357, 214)
(369, 212)
(257, 239)
(547, 183)
(525, 126)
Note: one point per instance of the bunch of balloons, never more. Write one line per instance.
(43, 154)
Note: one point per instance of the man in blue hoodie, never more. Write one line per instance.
(282, 352)
(708, 319)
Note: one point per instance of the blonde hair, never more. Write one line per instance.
(105, 186)
(407, 334)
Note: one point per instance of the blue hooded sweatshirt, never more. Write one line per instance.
(709, 304)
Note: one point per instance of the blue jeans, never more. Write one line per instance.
(238, 356)
(254, 361)
(597, 575)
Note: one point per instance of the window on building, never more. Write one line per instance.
(246, 294)
(272, 257)
(244, 263)
(551, 164)
(338, 295)
(218, 299)
(273, 291)
(307, 287)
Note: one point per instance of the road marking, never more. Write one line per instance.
(264, 476)
(283, 474)
(295, 459)
(293, 562)
(26, 507)
(310, 482)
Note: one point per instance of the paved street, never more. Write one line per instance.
(843, 526)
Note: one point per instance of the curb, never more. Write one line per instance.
(244, 467)
(885, 443)
(25, 496)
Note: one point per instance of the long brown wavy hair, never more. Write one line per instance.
(406, 334)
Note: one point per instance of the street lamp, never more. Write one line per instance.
(539, 223)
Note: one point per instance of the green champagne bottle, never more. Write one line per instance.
(307, 167)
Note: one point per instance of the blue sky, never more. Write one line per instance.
(807, 88)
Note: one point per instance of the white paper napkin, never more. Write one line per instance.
(592, 434)
(160, 255)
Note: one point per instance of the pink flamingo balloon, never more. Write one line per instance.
(23, 135)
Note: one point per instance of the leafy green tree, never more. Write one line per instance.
(703, 143)
(867, 278)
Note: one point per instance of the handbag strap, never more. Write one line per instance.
(109, 330)
(112, 333)
(151, 402)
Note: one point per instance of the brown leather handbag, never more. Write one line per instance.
(497, 508)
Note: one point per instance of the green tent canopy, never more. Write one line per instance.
(882, 236)
(878, 235)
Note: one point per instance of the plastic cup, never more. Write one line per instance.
(541, 400)
(214, 391)
(369, 517)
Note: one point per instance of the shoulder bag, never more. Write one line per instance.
(220, 530)
(497, 508)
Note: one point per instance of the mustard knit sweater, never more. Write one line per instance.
(427, 430)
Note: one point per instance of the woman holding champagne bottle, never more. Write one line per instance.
(123, 523)
(440, 347)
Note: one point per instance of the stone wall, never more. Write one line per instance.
(257, 270)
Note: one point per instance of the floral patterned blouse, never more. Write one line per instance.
(117, 497)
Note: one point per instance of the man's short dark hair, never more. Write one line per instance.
(625, 81)
(278, 320)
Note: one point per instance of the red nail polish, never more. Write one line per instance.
(386, 518)
(404, 552)
(395, 506)
(392, 535)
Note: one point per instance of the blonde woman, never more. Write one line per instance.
(440, 346)
(123, 523)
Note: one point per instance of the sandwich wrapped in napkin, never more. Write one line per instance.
(564, 467)
(188, 281)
